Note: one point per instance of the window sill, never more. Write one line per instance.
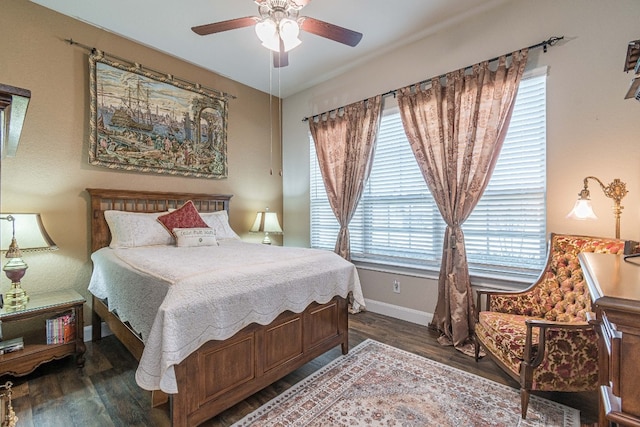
(497, 281)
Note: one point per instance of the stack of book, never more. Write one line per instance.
(61, 329)
(11, 345)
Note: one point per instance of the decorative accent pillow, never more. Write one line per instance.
(186, 216)
(186, 237)
(219, 221)
(131, 229)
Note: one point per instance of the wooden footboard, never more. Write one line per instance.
(221, 374)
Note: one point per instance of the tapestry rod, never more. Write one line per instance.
(550, 42)
(93, 49)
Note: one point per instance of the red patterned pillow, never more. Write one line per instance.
(186, 216)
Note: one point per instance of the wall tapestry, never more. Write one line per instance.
(143, 121)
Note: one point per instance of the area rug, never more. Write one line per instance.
(379, 385)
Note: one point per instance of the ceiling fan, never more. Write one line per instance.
(278, 27)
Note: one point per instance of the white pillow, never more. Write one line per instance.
(219, 221)
(132, 229)
(186, 237)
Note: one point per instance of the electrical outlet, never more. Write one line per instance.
(396, 286)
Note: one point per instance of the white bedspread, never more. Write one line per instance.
(180, 298)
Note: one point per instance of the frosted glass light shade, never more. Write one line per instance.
(289, 31)
(267, 32)
(582, 210)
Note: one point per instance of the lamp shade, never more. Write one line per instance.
(266, 222)
(582, 210)
(29, 232)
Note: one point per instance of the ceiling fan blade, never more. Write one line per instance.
(330, 31)
(280, 59)
(231, 24)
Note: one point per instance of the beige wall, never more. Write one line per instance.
(50, 172)
(591, 130)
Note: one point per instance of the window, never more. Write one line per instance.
(398, 223)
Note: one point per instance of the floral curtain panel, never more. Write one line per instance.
(345, 145)
(456, 129)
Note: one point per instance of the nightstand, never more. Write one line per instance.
(36, 350)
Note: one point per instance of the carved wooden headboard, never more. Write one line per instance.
(143, 201)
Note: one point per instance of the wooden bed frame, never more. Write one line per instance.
(220, 373)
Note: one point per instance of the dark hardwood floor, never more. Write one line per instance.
(105, 393)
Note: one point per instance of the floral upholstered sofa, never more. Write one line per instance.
(541, 336)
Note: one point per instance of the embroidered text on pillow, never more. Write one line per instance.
(186, 237)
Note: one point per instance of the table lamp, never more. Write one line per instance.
(266, 222)
(33, 237)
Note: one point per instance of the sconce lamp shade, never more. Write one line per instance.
(29, 231)
(582, 210)
(266, 222)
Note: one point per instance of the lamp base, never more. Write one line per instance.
(267, 239)
(16, 298)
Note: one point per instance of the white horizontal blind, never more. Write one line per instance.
(398, 223)
(507, 229)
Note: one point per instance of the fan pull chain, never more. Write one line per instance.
(280, 113)
(270, 117)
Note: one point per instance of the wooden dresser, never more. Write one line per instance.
(614, 285)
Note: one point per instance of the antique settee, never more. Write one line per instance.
(541, 336)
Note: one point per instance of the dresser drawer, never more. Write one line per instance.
(628, 384)
(612, 340)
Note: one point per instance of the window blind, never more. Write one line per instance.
(398, 223)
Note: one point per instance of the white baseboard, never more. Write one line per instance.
(398, 312)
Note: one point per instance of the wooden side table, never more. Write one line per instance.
(36, 350)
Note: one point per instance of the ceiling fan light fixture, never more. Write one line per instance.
(279, 25)
(289, 31)
(267, 32)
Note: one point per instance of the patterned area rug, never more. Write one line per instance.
(379, 385)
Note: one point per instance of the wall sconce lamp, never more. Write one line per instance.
(616, 190)
(13, 109)
(34, 237)
(266, 222)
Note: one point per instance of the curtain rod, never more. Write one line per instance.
(93, 50)
(549, 42)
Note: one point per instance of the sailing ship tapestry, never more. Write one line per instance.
(147, 122)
